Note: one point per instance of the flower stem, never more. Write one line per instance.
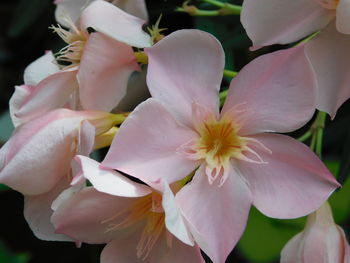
(225, 9)
(230, 73)
(234, 9)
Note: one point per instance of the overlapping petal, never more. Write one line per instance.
(330, 57)
(110, 181)
(83, 216)
(186, 67)
(37, 212)
(103, 17)
(321, 241)
(146, 145)
(270, 22)
(292, 183)
(281, 95)
(105, 68)
(343, 14)
(217, 215)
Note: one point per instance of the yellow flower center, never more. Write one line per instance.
(219, 143)
(147, 208)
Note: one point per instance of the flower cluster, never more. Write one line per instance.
(181, 172)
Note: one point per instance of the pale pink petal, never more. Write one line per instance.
(109, 181)
(330, 57)
(105, 68)
(270, 22)
(51, 93)
(218, 215)
(18, 97)
(186, 67)
(136, 92)
(40, 69)
(124, 251)
(86, 215)
(39, 152)
(71, 9)
(174, 221)
(292, 183)
(321, 241)
(292, 251)
(37, 212)
(133, 7)
(343, 14)
(86, 138)
(281, 95)
(145, 146)
(115, 23)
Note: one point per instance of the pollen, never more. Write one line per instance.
(75, 39)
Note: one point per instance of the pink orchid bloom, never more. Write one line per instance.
(36, 160)
(283, 21)
(102, 63)
(321, 241)
(73, 8)
(136, 221)
(240, 161)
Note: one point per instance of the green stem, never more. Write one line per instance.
(230, 73)
(194, 11)
(305, 136)
(234, 9)
(222, 96)
(319, 126)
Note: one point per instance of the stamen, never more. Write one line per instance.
(75, 39)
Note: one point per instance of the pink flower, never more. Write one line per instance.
(73, 8)
(321, 241)
(282, 21)
(101, 64)
(136, 221)
(36, 160)
(240, 161)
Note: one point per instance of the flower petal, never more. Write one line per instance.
(40, 69)
(51, 93)
(133, 7)
(18, 97)
(103, 17)
(174, 221)
(330, 57)
(145, 146)
(343, 14)
(38, 155)
(105, 68)
(270, 22)
(186, 67)
(69, 8)
(292, 183)
(280, 97)
(84, 216)
(110, 181)
(217, 215)
(37, 212)
(124, 250)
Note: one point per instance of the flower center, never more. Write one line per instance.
(75, 39)
(219, 143)
(147, 208)
(329, 4)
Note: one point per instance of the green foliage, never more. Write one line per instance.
(7, 256)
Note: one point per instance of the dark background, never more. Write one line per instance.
(25, 36)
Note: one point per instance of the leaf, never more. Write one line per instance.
(264, 237)
(3, 188)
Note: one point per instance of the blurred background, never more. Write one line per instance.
(25, 36)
